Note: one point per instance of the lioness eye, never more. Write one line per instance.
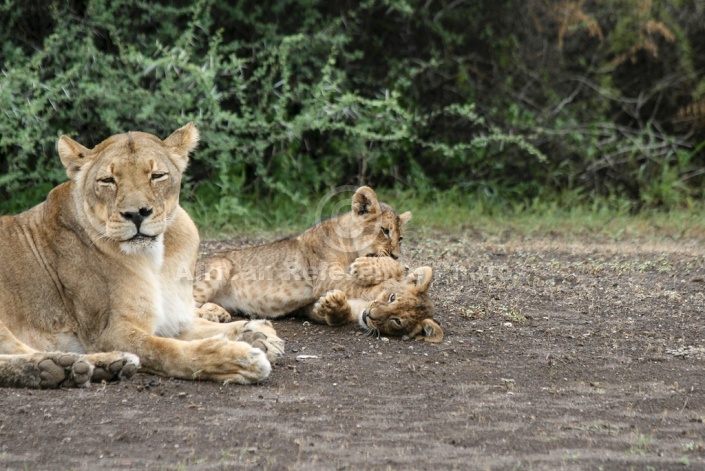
(159, 176)
(401, 238)
(107, 180)
(392, 298)
(385, 231)
(396, 321)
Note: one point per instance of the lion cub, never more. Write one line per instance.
(397, 306)
(340, 271)
(275, 279)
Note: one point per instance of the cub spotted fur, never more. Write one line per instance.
(96, 280)
(352, 253)
(397, 306)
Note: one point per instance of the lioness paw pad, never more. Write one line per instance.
(113, 366)
(63, 370)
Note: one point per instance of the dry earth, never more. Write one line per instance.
(559, 354)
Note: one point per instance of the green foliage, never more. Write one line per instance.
(295, 97)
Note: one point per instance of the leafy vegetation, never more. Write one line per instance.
(512, 104)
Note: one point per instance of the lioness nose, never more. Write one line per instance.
(137, 216)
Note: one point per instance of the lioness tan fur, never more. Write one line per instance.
(352, 253)
(97, 280)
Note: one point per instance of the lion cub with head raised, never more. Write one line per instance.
(354, 254)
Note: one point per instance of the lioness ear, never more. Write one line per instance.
(73, 155)
(180, 143)
(404, 218)
(364, 201)
(431, 331)
(422, 278)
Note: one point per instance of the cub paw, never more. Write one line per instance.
(63, 370)
(214, 313)
(261, 334)
(374, 270)
(113, 366)
(333, 307)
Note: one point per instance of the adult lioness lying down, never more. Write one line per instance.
(95, 282)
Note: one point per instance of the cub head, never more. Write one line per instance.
(380, 228)
(403, 308)
(126, 189)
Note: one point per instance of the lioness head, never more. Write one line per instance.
(380, 227)
(403, 308)
(126, 188)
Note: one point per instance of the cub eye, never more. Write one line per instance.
(107, 180)
(401, 238)
(385, 231)
(392, 297)
(396, 321)
(159, 176)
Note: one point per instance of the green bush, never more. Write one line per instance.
(295, 97)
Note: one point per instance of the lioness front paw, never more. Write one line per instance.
(63, 370)
(236, 362)
(113, 366)
(261, 334)
(374, 270)
(333, 307)
(257, 367)
(214, 313)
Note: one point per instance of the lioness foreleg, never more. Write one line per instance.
(215, 358)
(258, 333)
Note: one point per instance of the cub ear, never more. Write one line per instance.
(404, 218)
(364, 201)
(180, 143)
(431, 331)
(73, 155)
(422, 278)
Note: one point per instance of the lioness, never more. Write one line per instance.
(104, 266)
(352, 253)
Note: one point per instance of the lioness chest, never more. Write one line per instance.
(62, 290)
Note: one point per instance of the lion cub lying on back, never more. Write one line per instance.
(352, 252)
(398, 306)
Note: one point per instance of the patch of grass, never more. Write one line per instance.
(451, 211)
(641, 443)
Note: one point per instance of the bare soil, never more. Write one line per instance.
(559, 353)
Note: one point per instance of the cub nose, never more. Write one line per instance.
(137, 216)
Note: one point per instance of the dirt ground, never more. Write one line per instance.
(560, 353)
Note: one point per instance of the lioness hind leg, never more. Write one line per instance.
(214, 313)
(113, 366)
(45, 370)
(332, 308)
